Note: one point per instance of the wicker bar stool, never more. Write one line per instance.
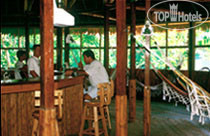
(106, 105)
(94, 112)
(58, 102)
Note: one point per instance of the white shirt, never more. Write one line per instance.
(97, 74)
(33, 65)
(18, 65)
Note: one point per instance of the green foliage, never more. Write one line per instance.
(176, 56)
(3, 59)
(156, 61)
(76, 38)
(202, 37)
(159, 38)
(112, 58)
(72, 61)
(178, 37)
(202, 58)
(140, 63)
(14, 38)
(90, 40)
(8, 58)
(113, 40)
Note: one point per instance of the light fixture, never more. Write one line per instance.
(61, 17)
(147, 30)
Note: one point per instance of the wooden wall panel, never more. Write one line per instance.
(16, 114)
(4, 128)
(73, 104)
(17, 109)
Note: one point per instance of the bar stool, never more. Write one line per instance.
(106, 105)
(94, 112)
(58, 102)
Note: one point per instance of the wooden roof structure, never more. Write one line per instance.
(86, 12)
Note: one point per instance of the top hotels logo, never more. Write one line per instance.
(176, 15)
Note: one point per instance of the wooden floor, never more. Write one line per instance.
(166, 120)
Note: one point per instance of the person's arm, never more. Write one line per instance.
(24, 68)
(80, 65)
(31, 68)
(33, 73)
(81, 72)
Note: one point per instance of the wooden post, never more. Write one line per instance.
(59, 48)
(80, 45)
(106, 39)
(132, 83)
(66, 47)
(191, 62)
(132, 100)
(121, 97)
(27, 36)
(100, 41)
(47, 113)
(166, 43)
(147, 91)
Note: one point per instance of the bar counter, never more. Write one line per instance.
(17, 105)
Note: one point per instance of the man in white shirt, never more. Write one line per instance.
(34, 63)
(96, 74)
(20, 67)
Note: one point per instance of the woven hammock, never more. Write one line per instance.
(197, 97)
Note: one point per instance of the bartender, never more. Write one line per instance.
(34, 63)
(20, 67)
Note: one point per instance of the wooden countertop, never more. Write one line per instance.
(15, 86)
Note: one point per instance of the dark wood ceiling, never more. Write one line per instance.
(86, 12)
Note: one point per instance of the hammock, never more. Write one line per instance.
(173, 92)
(199, 98)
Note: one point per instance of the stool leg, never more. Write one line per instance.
(83, 121)
(108, 116)
(96, 121)
(35, 127)
(56, 128)
(103, 121)
(90, 115)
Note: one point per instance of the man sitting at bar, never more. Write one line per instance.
(34, 63)
(96, 74)
(20, 67)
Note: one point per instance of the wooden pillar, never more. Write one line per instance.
(47, 113)
(100, 41)
(166, 42)
(66, 47)
(147, 91)
(59, 48)
(121, 97)
(80, 45)
(27, 36)
(106, 39)
(132, 83)
(191, 62)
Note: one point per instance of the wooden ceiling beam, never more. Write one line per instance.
(142, 8)
(72, 2)
(97, 15)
